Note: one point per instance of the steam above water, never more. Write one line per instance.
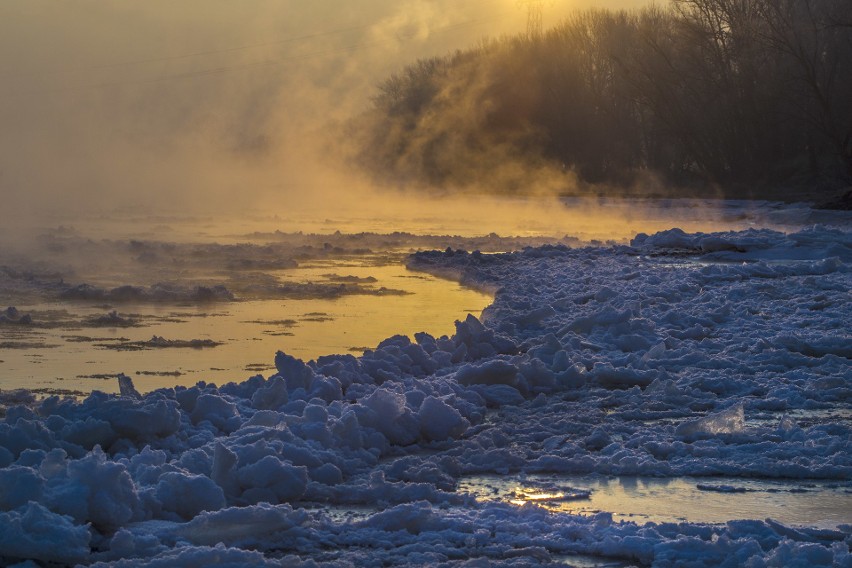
(137, 135)
(130, 128)
(189, 105)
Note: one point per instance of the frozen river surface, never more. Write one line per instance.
(173, 301)
(592, 413)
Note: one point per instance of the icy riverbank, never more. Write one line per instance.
(700, 355)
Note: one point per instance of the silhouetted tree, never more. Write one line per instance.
(731, 92)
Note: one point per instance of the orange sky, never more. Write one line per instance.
(110, 102)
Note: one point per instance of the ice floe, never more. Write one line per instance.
(700, 355)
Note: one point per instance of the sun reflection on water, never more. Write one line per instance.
(551, 498)
(814, 503)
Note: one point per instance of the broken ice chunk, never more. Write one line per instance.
(126, 388)
(728, 421)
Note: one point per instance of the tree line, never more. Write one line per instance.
(699, 93)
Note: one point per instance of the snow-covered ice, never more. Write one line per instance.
(702, 355)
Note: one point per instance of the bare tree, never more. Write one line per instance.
(816, 37)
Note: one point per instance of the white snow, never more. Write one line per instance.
(702, 355)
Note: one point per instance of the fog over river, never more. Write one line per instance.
(174, 300)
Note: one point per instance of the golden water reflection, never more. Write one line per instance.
(250, 332)
(813, 503)
(547, 497)
(587, 219)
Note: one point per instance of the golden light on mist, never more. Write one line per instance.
(154, 103)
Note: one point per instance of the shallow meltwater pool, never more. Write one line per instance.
(715, 500)
(80, 346)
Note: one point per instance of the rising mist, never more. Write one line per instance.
(696, 95)
(185, 107)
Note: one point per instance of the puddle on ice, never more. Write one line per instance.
(820, 504)
(583, 561)
(803, 417)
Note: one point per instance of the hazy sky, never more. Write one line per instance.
(195, 102)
